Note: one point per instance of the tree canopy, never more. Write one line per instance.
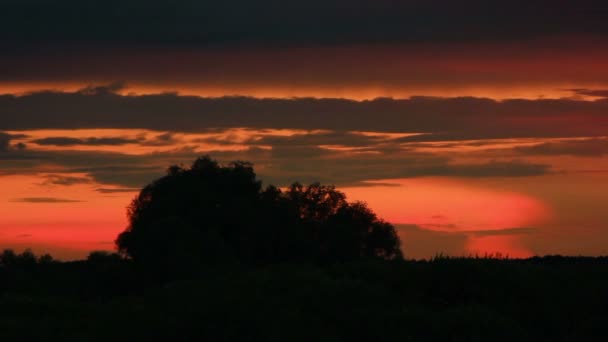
(212, 213)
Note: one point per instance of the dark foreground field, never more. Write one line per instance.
(105, 298)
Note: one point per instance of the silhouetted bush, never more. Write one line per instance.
(210, 213)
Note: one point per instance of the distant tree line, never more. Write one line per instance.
(9, 258)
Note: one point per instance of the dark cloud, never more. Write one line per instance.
(338, 157)
(65, 180)
(531, 68)
(44, 200)
(116, 190)
(272, 22)
(578, 148)
(312, 164)
(513, 168)
(5, 142)
(161, 140)
(165, 137)
(440, 118)
(108, 89)
(343, 138)
(280, 165)
(104, 167)
(134, 176)
(92, 141)
(591, 92)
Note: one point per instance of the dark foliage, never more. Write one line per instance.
(106, 298)
(210, 213)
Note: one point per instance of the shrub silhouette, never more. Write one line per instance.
(210, 213)
(27, 259)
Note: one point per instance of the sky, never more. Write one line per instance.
(474, 127)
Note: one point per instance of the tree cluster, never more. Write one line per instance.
(210, 213)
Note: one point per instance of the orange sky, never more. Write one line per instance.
(80, 219)
(497, 142)
(480, 174)
(446, 205)
(515, 216)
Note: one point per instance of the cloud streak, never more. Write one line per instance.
(92, 141)
(578, 148)
(65, 180)
(44, 200)
(440, 118)
(591, 92)
(298, 160)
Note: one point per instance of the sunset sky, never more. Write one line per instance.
(473, 126)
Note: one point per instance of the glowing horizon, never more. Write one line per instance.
(480, 130)
(80, 207)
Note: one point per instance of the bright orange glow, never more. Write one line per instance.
(451, 206)
(434, 202)
(80, 220)
(461, 216)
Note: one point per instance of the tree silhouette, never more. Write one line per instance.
(26, 259)
(210, 213)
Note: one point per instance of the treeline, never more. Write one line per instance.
(445, 299)
(102, 274)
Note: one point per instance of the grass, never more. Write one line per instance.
(444, 299)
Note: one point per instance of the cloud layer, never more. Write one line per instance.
(455, 118)
(297, 22)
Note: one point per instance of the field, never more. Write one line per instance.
(446, 299)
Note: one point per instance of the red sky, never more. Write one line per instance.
(532, 68)
(59, 206)
(474, 127)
